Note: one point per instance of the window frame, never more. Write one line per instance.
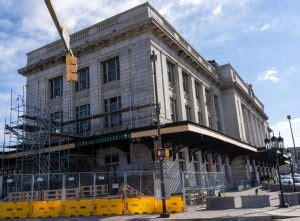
(105, 70)
(108, 120)
(86, 123)
(53, 87)
(173, 109)
(188, 112)
(78, 85)
(170, 72)
(185, 82)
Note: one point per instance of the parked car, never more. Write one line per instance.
(297, 178)
(286, 179)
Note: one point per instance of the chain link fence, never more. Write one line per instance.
(199, 185)
(58, 186)
(194, 186)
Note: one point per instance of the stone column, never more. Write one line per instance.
(239, 171)
(205, 111)
(179, 95)
(193, 99)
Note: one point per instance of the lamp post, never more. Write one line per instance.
(289, 118)
(275, 144)
(164, 214)
(289, 154)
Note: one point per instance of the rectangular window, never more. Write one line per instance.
(210, 122)
(112, 159)
(173, 109)
(83, 82)
(111, 70)
(170, 70)
(208, 98)
(188, 112)
(200, 118)
(111, 105)
(185, 79)
(56, 87)
(198, 90)
(83, 127)
(217, 111)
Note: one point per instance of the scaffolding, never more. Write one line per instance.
(29, 135)
(38, 140)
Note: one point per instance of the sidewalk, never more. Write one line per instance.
(198, 213)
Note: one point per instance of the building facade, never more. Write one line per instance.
(210, 117)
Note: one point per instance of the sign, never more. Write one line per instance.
(9, 180)
(102, 139)
(101, 177)
(71, 179)
(39, 179)
(115, 186)
(261, 149)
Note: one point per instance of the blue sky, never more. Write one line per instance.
(260, 38)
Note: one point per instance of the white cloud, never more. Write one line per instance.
(217, 10)
(269, 75)
(264, 27)
(284, 128)
(257, 28)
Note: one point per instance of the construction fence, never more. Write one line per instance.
(101, 193)
(70, 186)
(197, 186)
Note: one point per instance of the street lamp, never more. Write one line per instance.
(275, 144)
(164, 214)
(289, 154)
(289, 118)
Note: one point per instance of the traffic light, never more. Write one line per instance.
(71, 68)
(160, 153)
(164, 152)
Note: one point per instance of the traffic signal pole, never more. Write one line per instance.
(164, 214)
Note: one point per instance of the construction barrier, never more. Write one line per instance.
(78, 208)
(140, 205)
(46, 209)
(14, 210)
(174, 205)
(97, 207)
(105, 207)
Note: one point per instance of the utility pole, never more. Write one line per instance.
(289, 118)
(164, 214)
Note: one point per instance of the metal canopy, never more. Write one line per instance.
(191, 134)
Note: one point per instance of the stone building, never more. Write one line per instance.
(210, 117)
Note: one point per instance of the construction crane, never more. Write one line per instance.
(71, 60)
